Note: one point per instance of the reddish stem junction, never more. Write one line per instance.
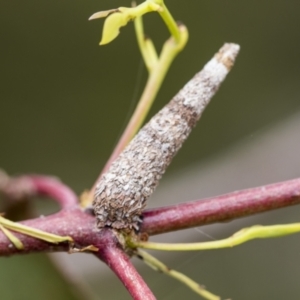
(73, 221)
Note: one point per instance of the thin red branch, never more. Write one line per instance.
(81, 226)
(18, 188)
(120, 264)
(221, 208)
(73, 222)
(55, 189)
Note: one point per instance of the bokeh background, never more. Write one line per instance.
(64, 102)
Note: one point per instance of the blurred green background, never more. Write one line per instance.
(64, 101)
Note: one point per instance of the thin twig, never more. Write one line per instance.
(27, 186)
(157, 265)
(121, 265)
(221, 208)
(242, 236)
(154, 82)
(75, 223)
(81, 226)
(52, 187)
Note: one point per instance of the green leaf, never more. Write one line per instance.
(112, 26)
(119, 17)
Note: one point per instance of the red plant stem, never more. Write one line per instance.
(17, 188)
(55, 189)
(73, 222)
(121, 265)
(221, 208)
(81, 226)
